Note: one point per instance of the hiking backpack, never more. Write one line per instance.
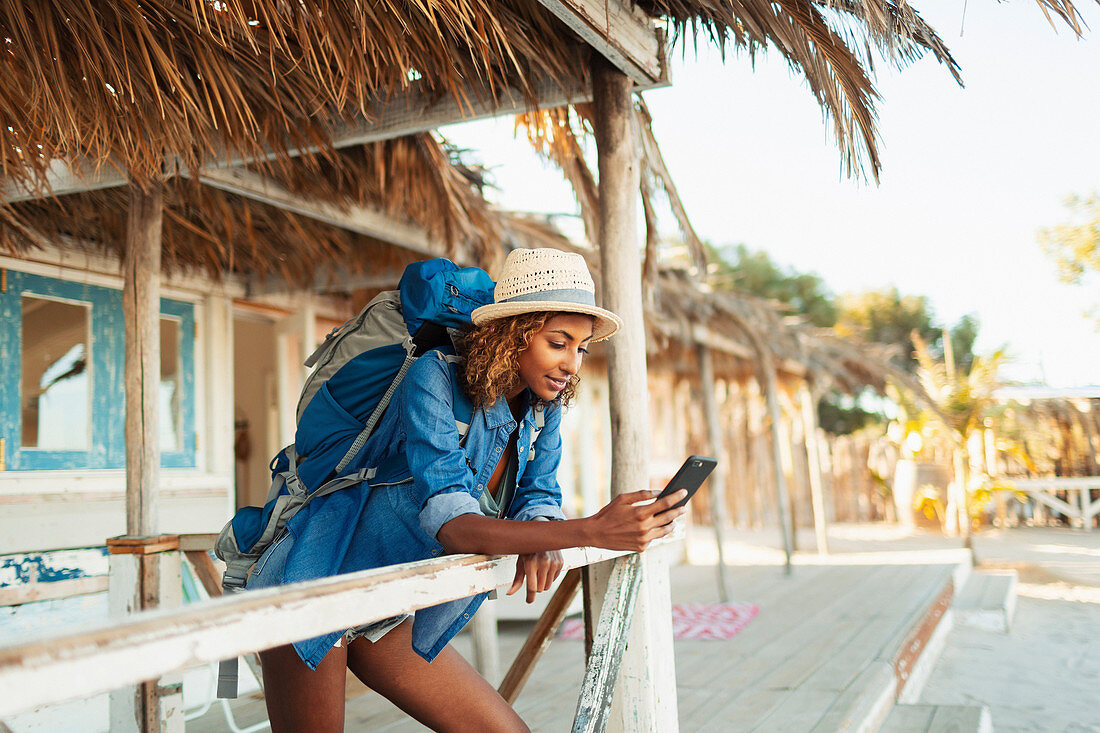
(356, 371)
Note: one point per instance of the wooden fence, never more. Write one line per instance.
(851, 490)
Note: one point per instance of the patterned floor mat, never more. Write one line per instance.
(692, 621)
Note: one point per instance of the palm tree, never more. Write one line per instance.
(962, 402)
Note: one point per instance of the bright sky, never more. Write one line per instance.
(969, 175)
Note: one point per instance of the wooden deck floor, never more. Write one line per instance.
(825, 638)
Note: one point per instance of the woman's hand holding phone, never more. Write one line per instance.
(631, 521)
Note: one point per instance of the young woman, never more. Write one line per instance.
(493, 493)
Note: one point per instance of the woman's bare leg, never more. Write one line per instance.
(447, 695)
(300, 699)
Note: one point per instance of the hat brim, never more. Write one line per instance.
(605, 325)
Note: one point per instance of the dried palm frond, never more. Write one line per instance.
(655, 166)
(835, 68)
(896, 29)
(1063, 9)
(557, 135)
(145, 83)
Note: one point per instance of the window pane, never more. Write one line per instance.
(171, 388)
(55, 384)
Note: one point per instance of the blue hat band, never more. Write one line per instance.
(568, 295)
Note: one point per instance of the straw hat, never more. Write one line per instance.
(547, 280)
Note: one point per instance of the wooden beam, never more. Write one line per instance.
(540, 636)
(63, 178)
(775, 415)
(808, 401)
(716, 487)
(19, 594)
(769, 386)
(197, 542)
(328, 279)
(713, 340)
(418, 111)
(355, 218)
(620, 32)
(149, 645)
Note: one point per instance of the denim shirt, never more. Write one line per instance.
(425, 479)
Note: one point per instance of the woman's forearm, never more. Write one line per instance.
(476, 534)
(629, 522)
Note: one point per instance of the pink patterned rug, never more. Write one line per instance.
(692, 621)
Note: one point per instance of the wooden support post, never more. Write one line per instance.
(647, 685)
(145, 574)
(770, 386)
(141, 316)
(813, 459)
(608, 646)
(540, 636)
(717, 484)
(786, 467)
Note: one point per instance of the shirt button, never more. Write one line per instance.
(498, 450)
(466, 615)
(480, 487)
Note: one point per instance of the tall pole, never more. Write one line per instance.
(144, 567)
(141, 316)
(771, 397)
(717, 483)
(813, 462)
(645, 693)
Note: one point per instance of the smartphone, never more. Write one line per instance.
(690, 476)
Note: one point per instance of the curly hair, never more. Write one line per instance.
(490, 368)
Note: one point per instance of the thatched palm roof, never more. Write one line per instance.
(145, 84)
(685, 311)
(159, 87)
(156, 86)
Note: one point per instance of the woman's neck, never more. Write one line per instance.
(517, 403)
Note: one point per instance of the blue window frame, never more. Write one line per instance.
(93, 369)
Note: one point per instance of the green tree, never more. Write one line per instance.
(888, 317)
(1075, 246)
(747, 271)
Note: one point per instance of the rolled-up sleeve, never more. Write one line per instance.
(442, 481)
(538, 494)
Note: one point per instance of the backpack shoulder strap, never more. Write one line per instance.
(540, 422)
(463, 410)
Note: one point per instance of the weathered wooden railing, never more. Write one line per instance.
(1042, 490)
(151, 644)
